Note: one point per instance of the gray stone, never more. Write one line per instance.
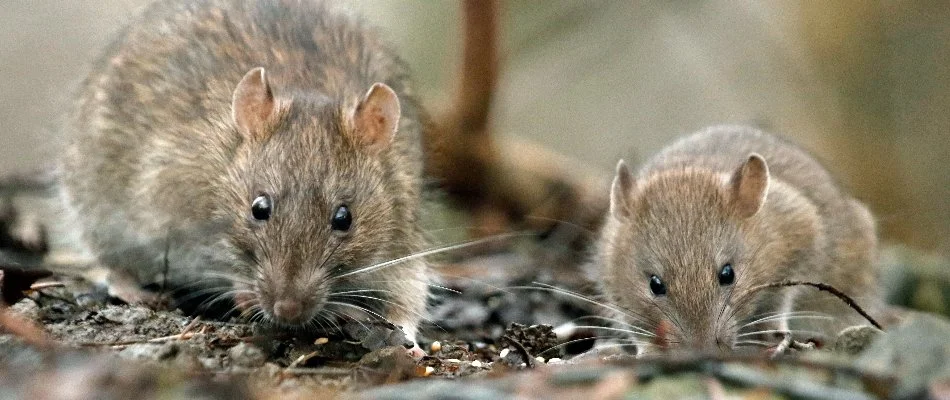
(247, 355)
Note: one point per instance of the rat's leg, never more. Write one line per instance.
(409, 307)
(124, 286)
(784, 331)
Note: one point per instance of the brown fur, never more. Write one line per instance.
(156, 155)
(707, 200)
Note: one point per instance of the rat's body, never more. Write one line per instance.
(271, 144)
(729, 196)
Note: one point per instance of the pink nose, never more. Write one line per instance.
(287, 310)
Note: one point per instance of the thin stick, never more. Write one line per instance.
(529, 360)
(825, 288)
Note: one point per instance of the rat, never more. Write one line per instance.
(267, 149)
(711, 217)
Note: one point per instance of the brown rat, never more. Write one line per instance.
(270, 148)
(716, 214)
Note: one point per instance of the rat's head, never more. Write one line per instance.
(679, 251)
(309, 196)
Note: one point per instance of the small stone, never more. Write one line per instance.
(149, 351)
(322, 340)
(477, 364)
(852, 340)
(246, 355)
(436, 346)
(128, 315)
(504, 353)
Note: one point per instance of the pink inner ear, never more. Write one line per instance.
(252, 103)
(376, 117)
(750, 186)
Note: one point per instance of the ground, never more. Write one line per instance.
(66, 338)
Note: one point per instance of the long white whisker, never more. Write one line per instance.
(429, 253)
(638, 332)
(777, 331)
(578, 296)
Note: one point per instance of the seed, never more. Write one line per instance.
(436, 346)
(428, 371)
(477, 364)
(504, 352)
(322, 340)
(539, 359)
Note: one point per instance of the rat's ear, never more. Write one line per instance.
(750, 184)
(376, 117)
(252, 104)
(621, 189)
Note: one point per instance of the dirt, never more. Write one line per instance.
(495, 319)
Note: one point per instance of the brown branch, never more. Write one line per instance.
(479, 64)
(825, 288)
(505, 184)
(529, 359)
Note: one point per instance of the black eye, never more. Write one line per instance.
(657, 286)
(261, 207)
(726, 275)
(342, 219)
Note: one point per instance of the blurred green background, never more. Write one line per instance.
(864, 85)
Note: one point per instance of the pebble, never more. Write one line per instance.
(132, 315)
(246, 355)
(436, 346)
(150, 351)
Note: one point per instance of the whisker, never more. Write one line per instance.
(569, 342)
(554, 289)
(400, 306)
(429, 253)
(641, 332)
(778, 331)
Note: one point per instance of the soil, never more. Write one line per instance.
(498, 331)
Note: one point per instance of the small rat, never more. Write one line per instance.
(714, 215)
(270, 149)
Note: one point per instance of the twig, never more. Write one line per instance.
(529, 360)
(302, 359)
(46, 285)
(191, 325)
(825, 288)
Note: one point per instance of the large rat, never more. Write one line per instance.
(714, 216)
(268, 148)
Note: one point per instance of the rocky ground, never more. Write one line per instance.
(64, 338)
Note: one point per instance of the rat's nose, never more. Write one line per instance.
(287, 310)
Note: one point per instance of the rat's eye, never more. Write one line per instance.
(726, 275)
(261, 207)
(657, 286)
(342, 219)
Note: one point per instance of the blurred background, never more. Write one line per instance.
(865, 86)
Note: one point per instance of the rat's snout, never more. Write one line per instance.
(288, 310)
